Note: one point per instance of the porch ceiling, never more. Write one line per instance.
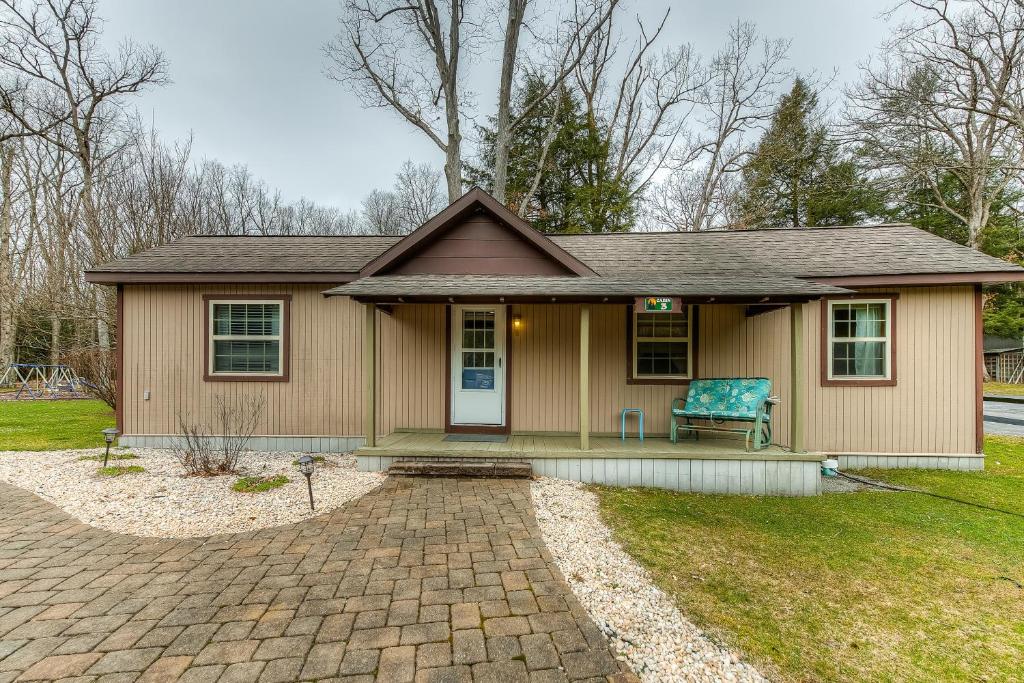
(733, 287)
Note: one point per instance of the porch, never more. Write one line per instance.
(710, 465)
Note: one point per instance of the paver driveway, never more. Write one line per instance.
(422, 579)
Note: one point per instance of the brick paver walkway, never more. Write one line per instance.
(423, 579)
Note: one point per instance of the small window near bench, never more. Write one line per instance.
(661, 345)
(859, 341)
(247, 339)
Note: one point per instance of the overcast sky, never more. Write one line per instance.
(248, 79)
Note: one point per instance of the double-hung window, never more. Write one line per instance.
(860, 339)
(247, 338)
(662, 345)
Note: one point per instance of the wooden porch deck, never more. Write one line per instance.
(432, 444)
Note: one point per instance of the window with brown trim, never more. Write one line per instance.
(246, 338)
(858, 341)
(661, 345)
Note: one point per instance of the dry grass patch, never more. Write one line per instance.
(113, 456)
(1004, 389)
(259, 484)
(119, 470)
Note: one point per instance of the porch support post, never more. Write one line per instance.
(797, 379)
(585, 377)
(370, 375)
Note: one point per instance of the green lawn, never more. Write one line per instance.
(1004, 389)
(865, 586)
(51, 425)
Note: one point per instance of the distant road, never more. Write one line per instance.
(1004, 418)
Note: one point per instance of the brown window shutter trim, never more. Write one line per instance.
(823, 351)
(695, 347)
(286, 334)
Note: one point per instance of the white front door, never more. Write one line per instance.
(478, 365)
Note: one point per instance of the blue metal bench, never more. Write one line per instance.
(717, 401)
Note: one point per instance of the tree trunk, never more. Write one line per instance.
(54, 336)
(94, 232)
(503, 132)
(8, 286)
(453, 150)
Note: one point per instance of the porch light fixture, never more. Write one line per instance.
(306, 467)
(109, 434)
(517, 322)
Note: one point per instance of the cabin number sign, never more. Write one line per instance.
(659, 304)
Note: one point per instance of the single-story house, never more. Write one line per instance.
(1004, 359)
(477, 324)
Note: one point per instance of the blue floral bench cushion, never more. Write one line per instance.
(737, 399)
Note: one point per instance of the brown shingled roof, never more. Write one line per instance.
(802, 253)
(207, 254)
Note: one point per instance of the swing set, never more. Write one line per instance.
(37, 380)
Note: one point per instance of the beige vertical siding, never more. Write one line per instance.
(545, 369)
(931, 410)
(411, 362)
(545, 376)
(163, 352)
(932, 407)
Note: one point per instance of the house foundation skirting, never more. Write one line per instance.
(751, 477)
(271, 444)
(965, 462)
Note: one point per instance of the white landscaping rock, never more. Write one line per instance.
(640, 620)
(162, 502)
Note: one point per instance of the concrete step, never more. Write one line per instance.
(461, 468)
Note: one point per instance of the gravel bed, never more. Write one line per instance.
(641, 621)
(163, 502)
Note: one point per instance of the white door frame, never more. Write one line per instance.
(485, 407)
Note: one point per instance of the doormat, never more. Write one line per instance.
(479, 438)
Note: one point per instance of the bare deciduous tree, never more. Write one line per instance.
(736, 100)
(637, 104)
(418, 187)
(59, 86)
(941, 102)
(8, 284)
(570, 45)
(382, 214)
(406, 55)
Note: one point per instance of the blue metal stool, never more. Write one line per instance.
(639, 413)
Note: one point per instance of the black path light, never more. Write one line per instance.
(108, 435)
(306, 467)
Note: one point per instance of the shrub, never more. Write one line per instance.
(316, 458)
(204, 450)
(98, 367)
(118, 470)
(113, 456)
(259, 484)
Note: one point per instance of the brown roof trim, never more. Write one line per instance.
(921, 279)
(392, 300)
(128, 277)
(422, 235)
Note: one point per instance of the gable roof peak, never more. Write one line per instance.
(474, 201)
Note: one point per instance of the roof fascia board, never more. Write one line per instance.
(422, 235)
(393, 300)
(887, 280)
(129, 277)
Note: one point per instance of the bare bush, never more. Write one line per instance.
(98, 368)
(205, 450)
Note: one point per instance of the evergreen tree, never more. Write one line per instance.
(574, 192)
(796, 176)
